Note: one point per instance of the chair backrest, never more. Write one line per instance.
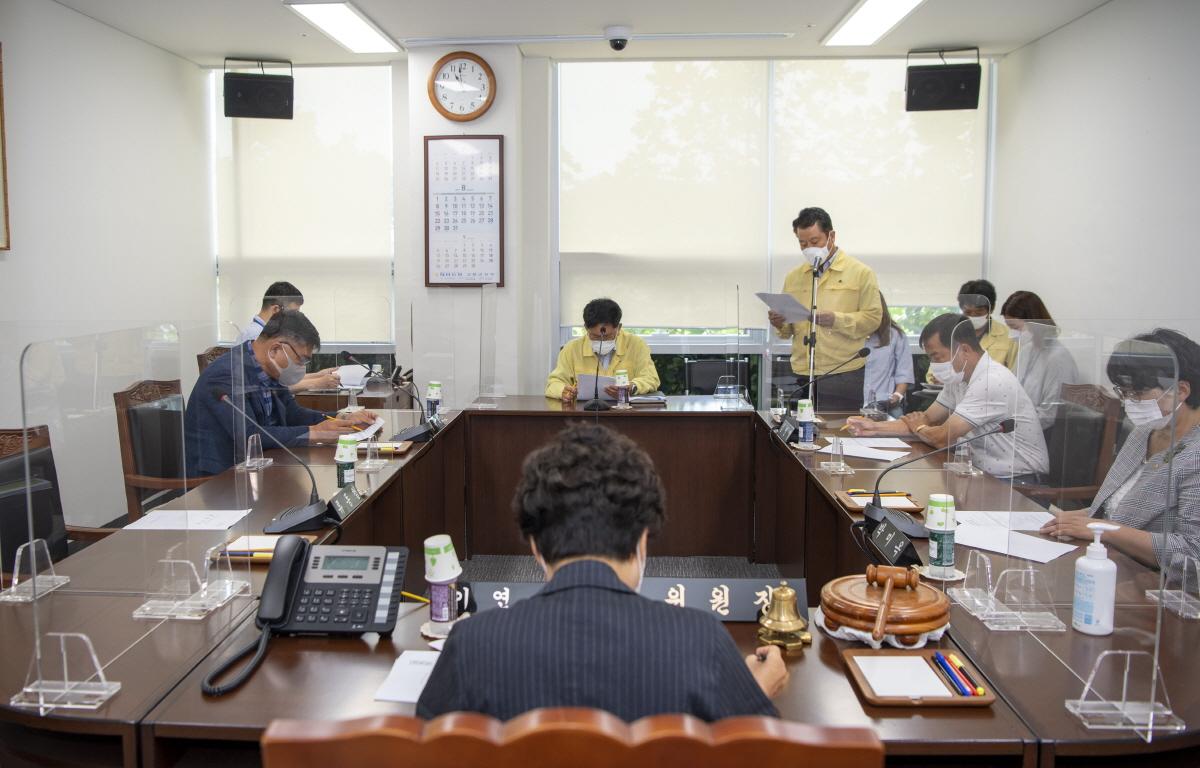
(700, 376)
(1097, 400)
(48, 522)
(577, 737)
(150, 431)
(205, 358)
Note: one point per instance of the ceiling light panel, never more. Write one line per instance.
(870, 21)
(346, 25)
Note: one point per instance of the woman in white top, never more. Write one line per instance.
(1043, 364)
(889, 369)
(1152, 491)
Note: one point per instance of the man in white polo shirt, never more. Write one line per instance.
(979, 393)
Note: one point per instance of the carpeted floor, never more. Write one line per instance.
(516, 568)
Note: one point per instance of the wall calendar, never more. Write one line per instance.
(464, 210)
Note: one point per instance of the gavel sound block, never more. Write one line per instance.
(886, 601)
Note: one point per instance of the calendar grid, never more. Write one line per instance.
(464, 210)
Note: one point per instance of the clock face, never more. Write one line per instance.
(462, 86)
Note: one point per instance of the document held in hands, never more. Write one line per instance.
(786, 305)
(587, 386)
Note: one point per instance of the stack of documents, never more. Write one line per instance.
(998, 532)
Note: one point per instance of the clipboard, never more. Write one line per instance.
(850, 657)
(848, 503)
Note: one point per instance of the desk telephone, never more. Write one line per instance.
(320, 590)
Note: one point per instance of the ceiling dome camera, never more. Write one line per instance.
(617, 37)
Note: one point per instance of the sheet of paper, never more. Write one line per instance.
(786, 305)
(1014, 521)
(437, 645)
(188, 519)
(408, 677)
(993, 538)
(352, 375)
(892, 502)
(863, 452)
(909, 677)
(879, 442)
(368, 432)
(587, 386)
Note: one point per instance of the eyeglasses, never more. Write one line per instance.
(304, 361)
(1130, 393)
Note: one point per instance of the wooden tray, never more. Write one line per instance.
(848, 502)
(864, 688)
(852, 602)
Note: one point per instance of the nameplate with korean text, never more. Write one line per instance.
(727, 599)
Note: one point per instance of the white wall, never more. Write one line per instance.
(1097, 168)
(446, 321)
(108, 203)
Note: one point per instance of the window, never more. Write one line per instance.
(678, 182)
(309, 201)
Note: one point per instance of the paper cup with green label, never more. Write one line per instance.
(940, 521)
(442, 570)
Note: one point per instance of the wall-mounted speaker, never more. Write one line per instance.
(943, 86)
(252, 95)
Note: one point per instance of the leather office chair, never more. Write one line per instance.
(700, 376)
(150, 431)
(568, 736)
(48, 519)
(206, 358)
(1082, 443)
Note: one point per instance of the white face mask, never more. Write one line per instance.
(816, 255)
(1014, 334)
(978, 322)
(290, 374)
(602, 348)
(945, 373)
(1147, 412)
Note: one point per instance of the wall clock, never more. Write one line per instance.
(462, 86)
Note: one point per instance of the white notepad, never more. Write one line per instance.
(908, 677)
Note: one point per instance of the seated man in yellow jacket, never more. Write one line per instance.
(617, 351)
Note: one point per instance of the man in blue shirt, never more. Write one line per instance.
(279, 297)
(256, 377)
(587, 502)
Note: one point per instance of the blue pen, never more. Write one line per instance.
(940, 660)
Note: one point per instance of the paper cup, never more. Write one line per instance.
(441, 563)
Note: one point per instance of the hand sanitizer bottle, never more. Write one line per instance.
(1095, 587)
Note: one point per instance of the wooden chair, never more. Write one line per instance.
(11, 446)
(580, 738)
(1078, 488)
(206, 358)
(165, 478)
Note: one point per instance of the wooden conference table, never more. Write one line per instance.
(733, 489)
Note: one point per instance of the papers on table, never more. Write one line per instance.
(408, 677)
(994, 538)
(852, 448)
(786, 305)
(1014, 521)
(891, 502)
(188, 519)
(352, 376)
(878, 442)
(437, 645)
(587, 386)
(368, 432)
(908, 677)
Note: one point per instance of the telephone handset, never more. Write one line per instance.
(319, 589)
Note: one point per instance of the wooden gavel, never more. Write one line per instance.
(888, 576)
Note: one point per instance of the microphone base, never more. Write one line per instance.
(906, 524)
(309, 517)
(596, 405)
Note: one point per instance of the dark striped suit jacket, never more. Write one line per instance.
(587, 640)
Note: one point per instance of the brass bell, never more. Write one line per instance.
(782, 624)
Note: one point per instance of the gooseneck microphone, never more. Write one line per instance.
(346, 357)
(864, 352)
(310, 516)
(875, 512)
(596, 404)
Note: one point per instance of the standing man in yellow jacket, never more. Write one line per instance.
(847, 312)
(616, 350)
